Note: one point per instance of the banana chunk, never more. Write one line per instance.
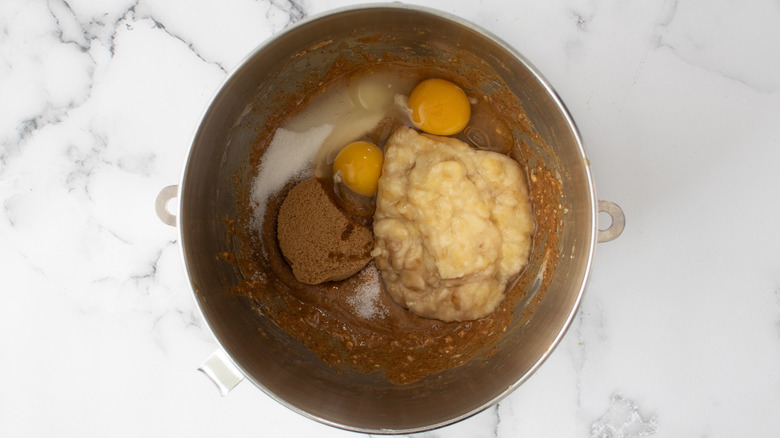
(452, 225)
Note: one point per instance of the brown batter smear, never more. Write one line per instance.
(353, 324)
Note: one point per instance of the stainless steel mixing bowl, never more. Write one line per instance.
(280, 366)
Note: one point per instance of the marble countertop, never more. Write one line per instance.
(678, 102)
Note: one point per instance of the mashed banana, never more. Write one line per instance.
(452, 225)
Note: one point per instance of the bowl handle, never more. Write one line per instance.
(618, 221)
(222, 371)
(161, 205)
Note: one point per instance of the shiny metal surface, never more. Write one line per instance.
(222, 371)
(161, 204)
(617, 224)
(280, 366)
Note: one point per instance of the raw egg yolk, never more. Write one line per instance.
(439, 107)
(359, 165)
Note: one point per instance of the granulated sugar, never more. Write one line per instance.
(365, 301)
(288, 157)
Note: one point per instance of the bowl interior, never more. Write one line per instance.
(218, 167)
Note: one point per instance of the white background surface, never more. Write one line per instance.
(678, 103)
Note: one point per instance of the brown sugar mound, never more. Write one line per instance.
(319, 241)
